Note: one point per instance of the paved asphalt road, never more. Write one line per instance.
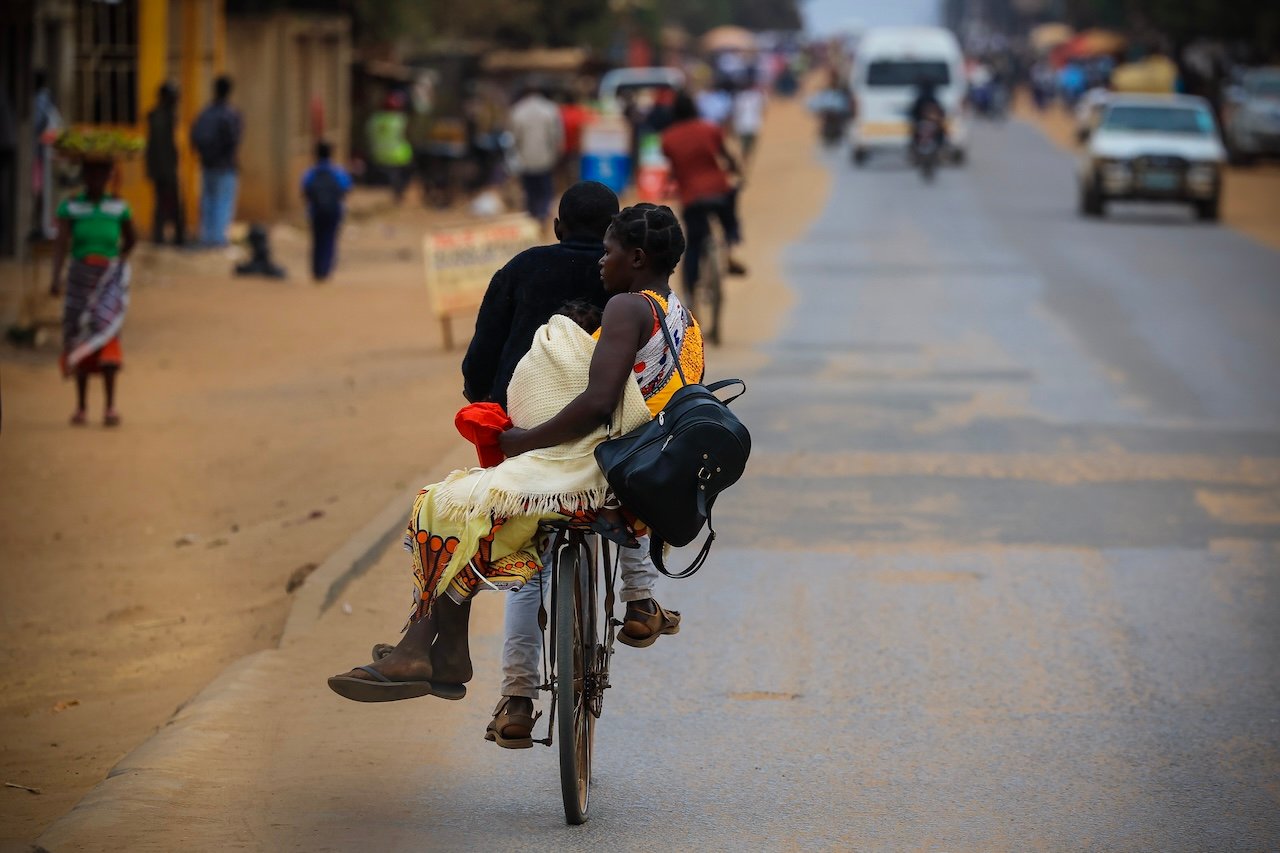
(1003, 573)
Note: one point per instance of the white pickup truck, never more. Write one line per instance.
(1153, 148)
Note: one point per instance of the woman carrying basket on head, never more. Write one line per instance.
(96, 229)
(477, 528)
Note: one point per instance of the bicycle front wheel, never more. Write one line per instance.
(575, 643)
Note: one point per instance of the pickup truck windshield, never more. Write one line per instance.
(1158, 120)
(1263, 85)
(908, 73)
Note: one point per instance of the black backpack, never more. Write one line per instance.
(324, 192)
(670, 471)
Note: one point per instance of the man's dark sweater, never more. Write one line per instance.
(521, 297)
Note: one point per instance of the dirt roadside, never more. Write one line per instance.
(264, 422)
(1250, 195)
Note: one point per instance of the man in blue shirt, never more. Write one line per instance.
(324, 186)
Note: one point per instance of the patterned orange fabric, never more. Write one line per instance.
(509, 572)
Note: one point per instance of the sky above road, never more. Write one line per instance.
(829, 16)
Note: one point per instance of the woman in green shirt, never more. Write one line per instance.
(96, 229)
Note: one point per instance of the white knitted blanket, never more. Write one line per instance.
(542, 482)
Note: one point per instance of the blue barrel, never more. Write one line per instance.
(609, 168)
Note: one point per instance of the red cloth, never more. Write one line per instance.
(481, 424)
(574, 117)
(693, 147)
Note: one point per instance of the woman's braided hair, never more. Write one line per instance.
(653, 228)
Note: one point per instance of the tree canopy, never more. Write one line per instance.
(536, 23)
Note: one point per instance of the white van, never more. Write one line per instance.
(889, 65)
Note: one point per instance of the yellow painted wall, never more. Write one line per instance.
(199, 27)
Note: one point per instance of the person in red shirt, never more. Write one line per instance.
(701, 167)
(574, 116)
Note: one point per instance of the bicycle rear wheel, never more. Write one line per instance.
(575, 647)
(710, 286)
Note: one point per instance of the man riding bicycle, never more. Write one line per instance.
(701, 167)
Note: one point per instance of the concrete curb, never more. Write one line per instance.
(353, 558)
(133, 779)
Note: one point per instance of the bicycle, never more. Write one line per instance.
(584, 635)
(707, 294)
(709, 288)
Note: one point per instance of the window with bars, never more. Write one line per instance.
(106, 89)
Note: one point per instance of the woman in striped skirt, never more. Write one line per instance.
(96, 229)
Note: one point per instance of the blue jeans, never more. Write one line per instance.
(324, 243)
(522, 648)
(217, 204)
(538, 191)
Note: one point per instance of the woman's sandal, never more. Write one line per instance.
(379, 688)
(79, 418)
(111, 418)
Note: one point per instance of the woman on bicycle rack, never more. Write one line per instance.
(478, 528)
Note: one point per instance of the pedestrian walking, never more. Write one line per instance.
(46, 123)
(216, 137)
(96, 229)
(420, 130)
(162, 166)
(715, 104)
(389, 147)
(538, 131)
(325, 187)
(574, 118)
(748, 116)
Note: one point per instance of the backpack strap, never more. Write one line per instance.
(666, 335)
(725, 383)
(655, 554)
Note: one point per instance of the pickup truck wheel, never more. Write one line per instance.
(1091, 202)
(1209, 210)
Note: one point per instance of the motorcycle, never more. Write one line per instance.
(926, 147)
(833, 124)
(833, 110)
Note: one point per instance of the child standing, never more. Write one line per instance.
(324, 186)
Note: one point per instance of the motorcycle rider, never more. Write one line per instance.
(834, 107)
(927, 107)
